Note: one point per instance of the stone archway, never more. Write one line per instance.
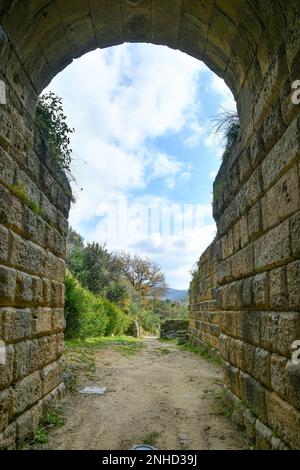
(245, 301)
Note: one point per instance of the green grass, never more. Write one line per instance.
(53, 419)
(20, 192)
(165, 350)
(100, 342)
(151, 438)
(203, 352)
(168, 340)
(40, 436)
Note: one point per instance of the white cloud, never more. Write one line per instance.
(119, 102)
(213, 174)
(218, 86)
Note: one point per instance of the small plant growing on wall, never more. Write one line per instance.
(227, 124)
(51, 120)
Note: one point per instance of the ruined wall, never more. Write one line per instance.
(169, 328)
(34, 206)
(204, 329)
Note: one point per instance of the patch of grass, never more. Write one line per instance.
(130, 349)
(223, 407)
(99, 342)
(40, 436)
(168, 340)
(20, 192)
(54, 418)
(164, 350)
(151, 438)
(202, 351)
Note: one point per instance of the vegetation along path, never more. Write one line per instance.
(156, 394)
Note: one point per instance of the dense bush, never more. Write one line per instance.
(90, 315)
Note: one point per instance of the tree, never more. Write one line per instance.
(144, 275)
(102, 272)
(75, 252)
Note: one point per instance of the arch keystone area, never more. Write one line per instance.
(245, 298)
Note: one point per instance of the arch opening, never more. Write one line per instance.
(249, 277)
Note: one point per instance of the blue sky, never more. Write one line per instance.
(145, 155)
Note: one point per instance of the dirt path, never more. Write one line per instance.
(159, 394)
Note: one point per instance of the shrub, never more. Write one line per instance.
(90, 315)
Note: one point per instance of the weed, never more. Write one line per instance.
(40, 436)
(228, 124)
(54, 418)
(151, 438)
(20, 192)
(204, 352)
(165, 351)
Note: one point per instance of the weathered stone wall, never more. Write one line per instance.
(204, 329)
(34, 206)
(257, 210)
(169, 328)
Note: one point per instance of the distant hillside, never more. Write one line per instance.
(176, 295)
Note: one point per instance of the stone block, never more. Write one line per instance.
(262, 367)
(295, 234)
(27, 392)
(257, 149)
(24, 426)
(5, 408)
(17, 324)
(8, 438)
(282, 155)
(293, 285)
(282, 199)
(4, 238)
(51, 376)
(242, 263)
(273, 249)
(6, 370)
(261, 289)
(251, 327)
(21, 359)
(254, 395)
(263, 436)
(273, 127)
(24, 294)
(26, 256)
(7, 286)
(254, 221)
(41, 321)
(285, 379)
(249, 423)
(278, 289)
(247, 292)
(279, 330)
(284, 419)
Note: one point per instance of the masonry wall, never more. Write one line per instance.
(257, 250)
(204, 324)
(34, 206)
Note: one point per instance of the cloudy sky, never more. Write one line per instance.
(144, 152)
